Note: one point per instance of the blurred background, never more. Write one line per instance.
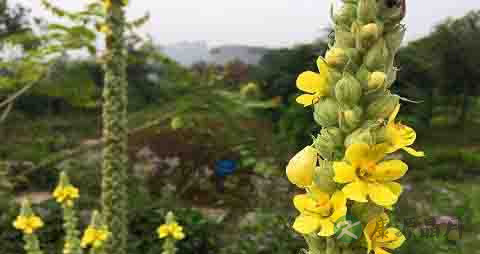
(213, 122)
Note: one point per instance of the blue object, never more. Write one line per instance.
(225, 167)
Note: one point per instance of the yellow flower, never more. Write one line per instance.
(315, 84)
(400, 136)
(319, 211)
(301, 167)
(95, 237)
(173, 229)
(365, 176)
(28, 224)
(66, 194)
(379, 237)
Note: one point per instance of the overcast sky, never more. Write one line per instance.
(273, 23)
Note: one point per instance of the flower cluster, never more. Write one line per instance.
(349, 164)
(66, 194)
(96, 233)
(171, 231)
(28, 224)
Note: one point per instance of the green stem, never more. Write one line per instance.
(115, 132)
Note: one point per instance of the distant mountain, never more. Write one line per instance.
(187, 53)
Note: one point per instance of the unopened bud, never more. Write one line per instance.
(362, 76)
(367, 11)
(336, 57)
(326, 112)
(346, 15)
(177, 123)
(377, 56)
(376, 80)
(369, 31)
(350, 119)
(394, 38)
(301, 167)
(344, 39)
(382, 106)
(323, 178)
(348, 90)
(329, 141)
(359, 136)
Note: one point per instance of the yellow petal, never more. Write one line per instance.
(323, 67)
(338, 200)
(312, 82)
(414, 152)
(162, 231)
(326, 228)
(395, 187)
(301, 167)
(382, 195)
(392, 238)
(338, 213)
(364, 155)
(388, 171)
(303, 202)
(306, 224)
(399, 136)
(356, 191)
(380, 251)
(344, 172)
(307, 99)
(392, 117)
(372, 226)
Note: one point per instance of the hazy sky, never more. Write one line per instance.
(271, 23)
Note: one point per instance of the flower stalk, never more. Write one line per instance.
(29, 223)
(171, 232)
(347, 173)
(115, 157)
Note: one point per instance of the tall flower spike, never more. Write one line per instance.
(352, 103)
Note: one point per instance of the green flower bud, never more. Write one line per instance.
(323, 177)
(359, 136)
(348, 90)
(350, 119)
(377, 56)
(366, 211)
(328, 142)
(63, 181)
(394, 39)
(344, 39)
(326, 112)
(336, 57)
(177, 123)
(346, 15)
(367, 11)
(362, 76)
(376, 80)
(26, 208)
(370, 31)
(382, 106)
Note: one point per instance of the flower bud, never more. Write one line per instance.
(346, 15)
(367, 11)
(328, 142)
(359, 136)
(394, 39)
(377, 56)
(382, 106)
(323, 178)
(362, 76)
(301, 167)
(344, 39)
(365, 212)
(350, 119)
(370, 31)
(326, 112)
(348, 90)
(376, 80)
(177, 123)
(336, 57)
